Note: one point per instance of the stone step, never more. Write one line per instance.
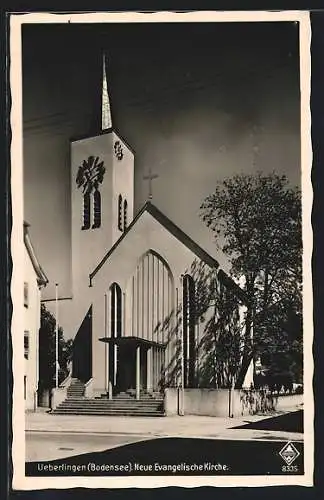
(113, 401)
(124, 396)
(110, 404)
(114, 411)
(122, 404)
(128, 399)
(83, 405)
(104, 408)
(111, 413)
(117, 400)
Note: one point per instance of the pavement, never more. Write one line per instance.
(50, 436)
(172, 426)
(46, 446)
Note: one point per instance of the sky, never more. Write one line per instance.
(186, 97)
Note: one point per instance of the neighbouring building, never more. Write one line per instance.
(34, 280)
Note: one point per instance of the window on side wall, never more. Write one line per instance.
(26, 344)
(26, 294)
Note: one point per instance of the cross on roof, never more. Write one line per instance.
(149, 177)
(256, 134)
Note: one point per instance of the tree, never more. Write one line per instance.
(217, 316)
(257, 223)
(47, 350)
(221, 342)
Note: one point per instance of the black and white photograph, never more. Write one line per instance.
(162, 294)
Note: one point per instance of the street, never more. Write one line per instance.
(54, 445)
(178, 456)
(51, 437)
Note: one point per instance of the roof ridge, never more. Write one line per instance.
(41, 276)
(170, 226)
(97, 133)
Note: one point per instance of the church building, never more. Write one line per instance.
(136, 279)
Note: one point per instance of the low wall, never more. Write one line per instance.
(208, 402)
(44, 398)
(263, 402)
(57, 396)
(289, 401)
(171, 401)
(226, 402)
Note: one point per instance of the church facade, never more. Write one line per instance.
(142, 290)
(134, 280)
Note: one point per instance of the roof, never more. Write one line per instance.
(97, 133)
(171, 227)
(135, 341)
(230, 283)
(42, 279)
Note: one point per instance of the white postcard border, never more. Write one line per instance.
(20, 481)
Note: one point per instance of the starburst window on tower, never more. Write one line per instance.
(89, 177)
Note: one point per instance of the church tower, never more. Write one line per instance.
(102, 194)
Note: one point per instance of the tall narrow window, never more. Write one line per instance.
(96, 209)
(89, 176)
(115, 311)
(189, 330)
(125, 215)
(26, 344)
(86, 211)
(120, 210)
(26, 294)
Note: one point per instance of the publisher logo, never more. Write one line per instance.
(289, 453)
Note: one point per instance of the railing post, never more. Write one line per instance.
(149, 369)
(138, 363)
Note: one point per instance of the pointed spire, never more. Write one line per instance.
(105, 103)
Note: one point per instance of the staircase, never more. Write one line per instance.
(75, 390)
(123, 404)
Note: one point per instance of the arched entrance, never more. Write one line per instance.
(140, 325)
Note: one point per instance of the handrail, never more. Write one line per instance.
(67, 381)
(88, 388)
